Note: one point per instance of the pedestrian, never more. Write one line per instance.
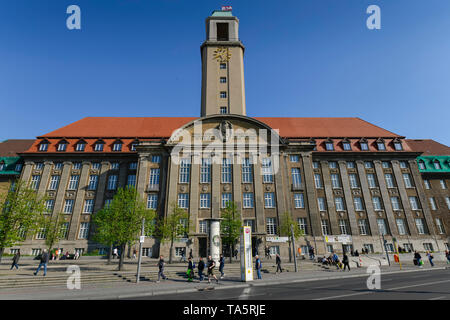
(221, 266)
(236, 253)
(211, 266)
(345, 262)
(76, 255)
(258, 266)
(190, 270)
(134, 253)
(447, 255)
(268, 253)
(115, 253)
(161, 269)
(190, 254)
(55, 257)
(183, 255)
(278, 262)
(311, 253)
(201, 267)
(417, 258)
(44, 260)
(15, 260)
(430, 258)
(356, 253)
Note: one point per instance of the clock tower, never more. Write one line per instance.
(223, 90)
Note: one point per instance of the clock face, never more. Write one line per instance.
(222, 54)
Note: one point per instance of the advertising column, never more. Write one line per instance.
(246, 254)
(214, 239)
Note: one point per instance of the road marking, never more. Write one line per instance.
(437, 298)
(389, 289)
(245, 294)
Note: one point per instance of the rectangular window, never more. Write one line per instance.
(38, 166)
(183, 200)
(117, 147)
(84, 230)
(353, 181)
(64, 230)
(80, 147)
(321, 203)
(185, 168)
(131, 180)
(247, 171)
(325, 230)
(226, 198)
(381, 146)
(49, 204)
(248, 199)
(35, 182)
(447, 200)
(223, 110)
(223, 80)
(343, 226)
(223, 94)
(350, 164)
(315, 165)
(339, 202)
(54, 182)
(43, 147)
(68, 205)
(271, 226)
(403, 164)
(299, 201)
(395, 201)
(98, 147)
(428, 246)
(296, 177)
(377, 204)
(132, 165)
(427, 184)
(332, 165)
(432, 203)
(317, 181)
(389, 180)
(226, 170)
(222, 31)
(329, 146)
(420, 226)
(267, 170)
(443, 184)
(363, 227)
(368, 247)
(274, 250)
(440, 226)
(205, 171)
(205, 200)
(335, 181)
(437, 165)
(112, 182)
(96, 165)
(223, 66)
(115, 166)
(398, 146)
(62, 147)
(77, 166)
(107, 203)
(401, 226)
(93, 180)
(386, 164)
(364, 146)
(156, 159)
(371, 180)
(88, 206)
(357, 201)
(422, 165)
(203, 226)
(302, 225)
(382, 226)
(152, 201)
(407, 179)
(414, 203)
(41, 234)
(346, 146)
(18, 167)
(269, 200)
(154, 177)
(294, 158)
(368, 164)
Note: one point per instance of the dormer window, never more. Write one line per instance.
(18, 167)
(80, 146)
(422, 165)
(117, 146)
(398, 145)
(134, 145)
(2, 166)
(346, 145)
(380, 145)
(364, 145)
(62, 146)
(99, 146)
(43, 146)
(329, 146)
(437, 165)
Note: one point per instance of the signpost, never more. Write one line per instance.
(141, 241)
(246, 254)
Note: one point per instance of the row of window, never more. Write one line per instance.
(98, 146)
(436, 164)
(363, 145)
(83, 232)
(367, 164)
(17, 168)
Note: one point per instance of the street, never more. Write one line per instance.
(430, 285)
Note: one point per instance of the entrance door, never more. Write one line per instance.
(202, 247)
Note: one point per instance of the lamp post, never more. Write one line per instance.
(293, 248)
(141, 240)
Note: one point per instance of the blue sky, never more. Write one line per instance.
(303, 58)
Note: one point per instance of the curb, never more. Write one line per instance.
(260, 284)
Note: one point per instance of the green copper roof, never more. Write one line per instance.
(220, 13)
(8, 166)
(433, 163)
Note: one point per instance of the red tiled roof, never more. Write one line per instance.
(162, 127)
(428, 147)
(10, 148)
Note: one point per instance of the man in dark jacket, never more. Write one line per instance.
(16, 260)
(221, 266)
(278, 262)
(201, 267)
(44, 261)
(258, 267)
(418, 258)
(345, 262)
(211, 266)
(161, 269)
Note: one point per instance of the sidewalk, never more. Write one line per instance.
(173, 286)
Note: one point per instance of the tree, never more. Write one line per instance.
(174, 226)
(120, 222)
(230, 226)
(20, 211)
(287, 224)
(54, 229)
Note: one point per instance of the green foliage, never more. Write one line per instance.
(175, 225)
(285, 228)
(121, 221)
(20, 211)
(230, 226)
(53, 226)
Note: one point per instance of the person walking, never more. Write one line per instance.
(190, 270)
(44, 260)
(258, 266)
(278, 262)
(418, 258)
(115, 253)
(345, 261)
(430, 258)
(268, 253)
(134, 253)
(15, 260)
(311, 253)
(201, 267)
(211, 266)
(221, 266)
(447, 255)
(183, 255)
(161, 269)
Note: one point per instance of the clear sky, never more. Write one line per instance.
(303, 58)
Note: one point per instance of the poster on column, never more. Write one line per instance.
(246, 254)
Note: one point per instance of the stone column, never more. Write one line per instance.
(79, 201)
(67, 168)
(122, 177)
(348, 198)
(311, 199)
(142, 175)
(259, 196)
(334, 226)
(215, 188)
(404, 198)
(194, 197)
(386, 199)
(367, 198)
(280, 185)
(237, 181)
(44, 178)
(173, 185)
